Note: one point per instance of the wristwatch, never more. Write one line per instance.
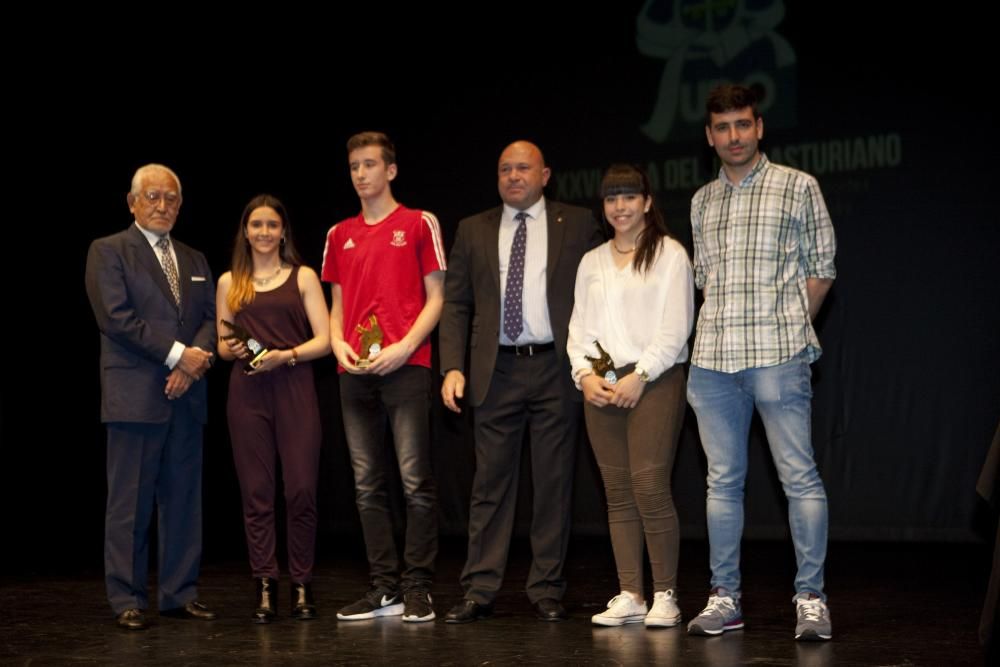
(642, 374)
(295, 357)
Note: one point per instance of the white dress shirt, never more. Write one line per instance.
(534, 301)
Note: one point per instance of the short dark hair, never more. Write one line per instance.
(730, 97)
(380, 139)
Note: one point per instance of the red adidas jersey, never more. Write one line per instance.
(380, 269)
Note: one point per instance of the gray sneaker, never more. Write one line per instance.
(813, 623)
(376, 602)
(722, 613)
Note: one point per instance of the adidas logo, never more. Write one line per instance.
(349, 244)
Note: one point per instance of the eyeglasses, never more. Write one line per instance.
(169, 198)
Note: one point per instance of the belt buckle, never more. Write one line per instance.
(529, 353)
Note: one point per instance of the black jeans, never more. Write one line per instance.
(403, 397)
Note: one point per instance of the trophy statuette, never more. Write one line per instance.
(257, 351)
(371, 342)
(603, 365)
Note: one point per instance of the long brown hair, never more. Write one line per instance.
(242, 292)
(621, 179)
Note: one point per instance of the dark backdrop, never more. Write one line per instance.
(892, 116)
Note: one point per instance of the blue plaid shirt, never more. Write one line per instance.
(755, 243)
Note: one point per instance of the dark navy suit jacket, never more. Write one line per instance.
(139, 322)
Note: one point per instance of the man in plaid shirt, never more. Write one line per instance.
(763, 256)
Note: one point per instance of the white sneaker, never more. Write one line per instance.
(623, 608)
(665, 612)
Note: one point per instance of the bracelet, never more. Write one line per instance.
(295, 357)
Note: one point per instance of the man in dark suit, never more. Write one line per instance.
(154, 302)
(511, 275)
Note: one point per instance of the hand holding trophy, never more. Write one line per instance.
(371, 342)
(257, 351)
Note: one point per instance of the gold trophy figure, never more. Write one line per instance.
(371, 342)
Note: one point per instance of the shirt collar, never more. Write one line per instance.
(762, 164)
(150, 236)
(534, 211)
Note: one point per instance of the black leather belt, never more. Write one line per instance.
(528, 350)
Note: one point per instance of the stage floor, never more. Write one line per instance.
(892, 604)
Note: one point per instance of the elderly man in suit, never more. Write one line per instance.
(511, 276)
(154, 302)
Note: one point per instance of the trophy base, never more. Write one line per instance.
(363, 363)
(254, 363)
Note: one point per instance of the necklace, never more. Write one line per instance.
(264, 281)
(619, 250)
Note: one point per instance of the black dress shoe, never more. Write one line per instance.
(194, 609)
(550, 610)
(267, 601)
(132, 619)
(303, 605)
(468, 611)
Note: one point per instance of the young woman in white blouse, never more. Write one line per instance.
(635, 298)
